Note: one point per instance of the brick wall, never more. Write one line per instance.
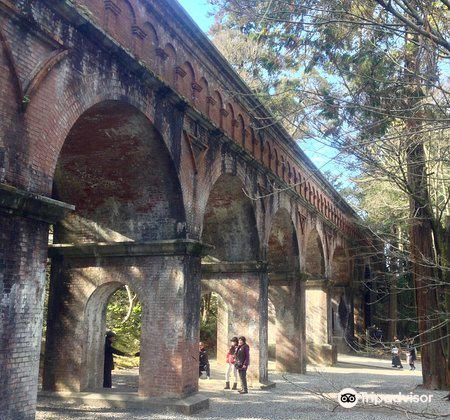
(169, 338)
(22, 279)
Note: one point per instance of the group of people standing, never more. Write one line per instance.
(410, 350)
(237, 360)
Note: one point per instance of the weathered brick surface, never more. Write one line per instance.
(122, 108)
(319, 346)
(245, 296)
(22, 280)
(169, 291)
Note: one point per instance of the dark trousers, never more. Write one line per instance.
(243, 378)
(107, 379)
(204, 368)
(396, 362)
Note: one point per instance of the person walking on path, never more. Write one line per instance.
(396, 353)
(242, 363)
(231, 359)
(110, 351)
(411, 355)
(203, 361)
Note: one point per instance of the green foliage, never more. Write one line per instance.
(128, 330)
(208, 320)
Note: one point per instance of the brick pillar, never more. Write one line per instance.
(24, 220)
(244, 289)
(286, 295)
(318, 324)
(166, 277)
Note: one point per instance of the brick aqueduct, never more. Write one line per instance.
(124, 129)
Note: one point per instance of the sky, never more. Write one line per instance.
(320, 154)
(199, 10)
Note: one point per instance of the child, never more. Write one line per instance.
(411, 354)
(231, 359)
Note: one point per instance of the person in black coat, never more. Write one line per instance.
(203, 361)
(109, 358)
(411, 355)
(242, 363)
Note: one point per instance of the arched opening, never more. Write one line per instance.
(115, 168)
(229, 222)
(113, 307)
(342, 324)
(340, 267)
(214, 327)
(285, 294)
(314, 258)
(233, 270)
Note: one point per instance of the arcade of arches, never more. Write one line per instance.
(152, 175)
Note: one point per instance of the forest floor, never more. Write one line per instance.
(296, 397)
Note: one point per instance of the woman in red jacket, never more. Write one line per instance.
(231, 359)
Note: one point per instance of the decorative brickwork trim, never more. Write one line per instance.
(161, 54)
(137, 31)
(210, 100)
(180, 71)
(12, 67)
(196, 87)
(224, 112)
(43, 71)
(110, 5)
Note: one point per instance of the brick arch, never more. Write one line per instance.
(267, 155)
(170, 61)
(250, 142)
(94, 320)
(314, 254)
(229, 221)
(185, 79)
(150, 42)
(120, 19)
(230, 121)
(224, 306)
(283, 168)
(204, 96)
(242, 134)
(257, 147)
(276, 162)
(107, 197)
(340, 266)
(285, 292)
(283, 238)
(51, 128)
(217, 112)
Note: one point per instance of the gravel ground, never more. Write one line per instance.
(303, 397)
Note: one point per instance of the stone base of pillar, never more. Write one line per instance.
(127, 401)
(321, 354)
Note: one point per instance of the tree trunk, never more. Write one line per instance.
(424, 265)
(394, 271)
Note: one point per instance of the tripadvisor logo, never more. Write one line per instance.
(348, 398)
